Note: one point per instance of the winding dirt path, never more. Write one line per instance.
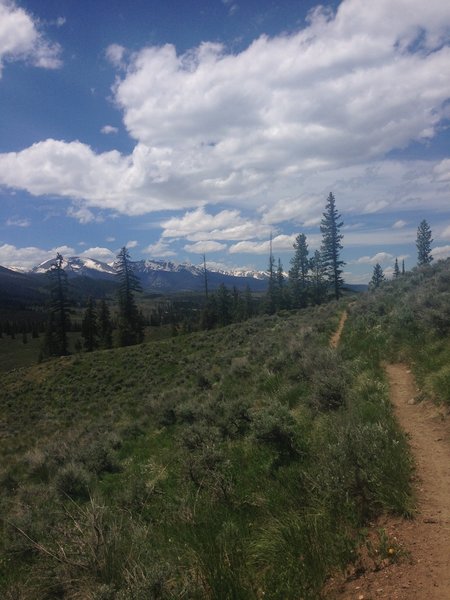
(425, 573)
(335, 338)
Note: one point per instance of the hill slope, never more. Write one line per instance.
(239, 462)
(208, 464)
(409, 319)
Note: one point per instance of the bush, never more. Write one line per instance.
(73, 480)
(274, 426)
(99, 456)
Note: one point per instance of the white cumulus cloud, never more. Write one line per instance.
(160, 249)
(205, 246)
(99, 253)
(440, 252)
(28, 257)
(198, 225)
(274, 127)
(381, 258)
(280, 243)
(108, 129)
(22, 39)
(82, 214)
(115, 53)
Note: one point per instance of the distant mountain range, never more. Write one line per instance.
(162, 276)
(89, 276)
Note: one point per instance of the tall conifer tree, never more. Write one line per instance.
(271, 299)
(317, 278)
(56, 342)
(89, 327)
(396, 269)
(130, 323)
(423, 243)
(298, 273)
(377, 276)
(104, 326)
(331, 246)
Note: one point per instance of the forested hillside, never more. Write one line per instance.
(238, 463)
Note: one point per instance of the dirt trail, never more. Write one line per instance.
(335, 338)
(425, 573)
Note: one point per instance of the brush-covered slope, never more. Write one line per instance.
(235, 463)
(408, 319)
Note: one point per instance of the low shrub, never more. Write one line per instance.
(73, 480)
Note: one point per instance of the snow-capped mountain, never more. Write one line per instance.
(261, 275)
(75, 265)
(161, 275)
(146, 266)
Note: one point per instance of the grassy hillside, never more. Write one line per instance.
(408, 319)
(236, 463)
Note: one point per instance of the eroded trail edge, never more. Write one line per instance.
(425, 573)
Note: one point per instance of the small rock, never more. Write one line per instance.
(411, 401)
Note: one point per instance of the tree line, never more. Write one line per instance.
(311, 279)
(96, 324)
(424, 256)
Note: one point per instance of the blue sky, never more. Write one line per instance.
(187, 127)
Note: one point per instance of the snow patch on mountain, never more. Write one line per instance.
(76, 265)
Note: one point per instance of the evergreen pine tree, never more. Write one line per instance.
(104, 326)
(396, 269)
(280, 287)
(377, 277)
(208, 317)
(89, 327)
(403, 267)
(59, 311)
(205, 276)
(49, 344)
(224, 305)
(249, 309)
(298, 273)
(331, 246)
(423, 243)
(317, 278)
(238, 306)
(271, 295)
(130, 322)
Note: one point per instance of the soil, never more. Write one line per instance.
(334, 341)
(420, 567)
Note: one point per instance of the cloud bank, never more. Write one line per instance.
(272, 129)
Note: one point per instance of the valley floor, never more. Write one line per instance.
(422, 571)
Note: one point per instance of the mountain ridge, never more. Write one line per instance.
(155, 275)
